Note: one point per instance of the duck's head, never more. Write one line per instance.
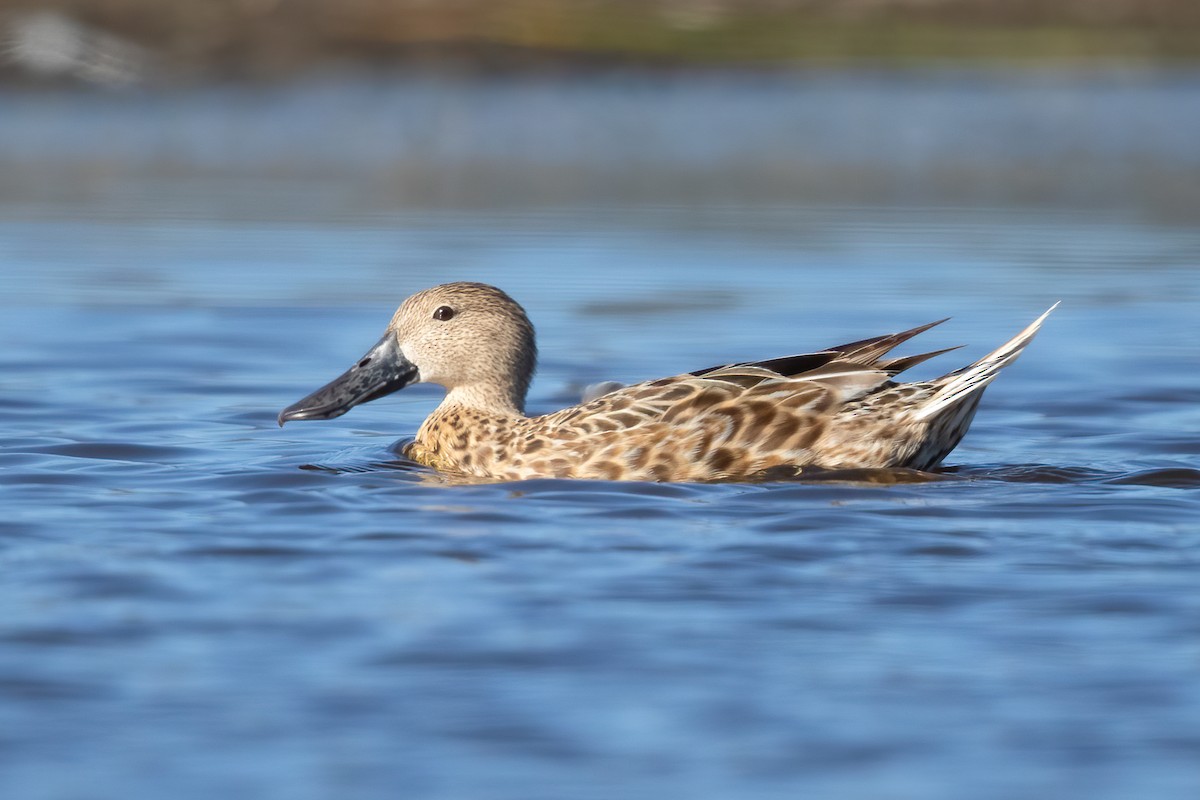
(471, 338)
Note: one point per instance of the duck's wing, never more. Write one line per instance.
(796, 385)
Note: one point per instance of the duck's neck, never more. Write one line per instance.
(493, 401)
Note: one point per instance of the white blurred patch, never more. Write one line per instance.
(594, 390)
(51, 44)
(693, 15)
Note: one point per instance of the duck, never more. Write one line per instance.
(835, 408)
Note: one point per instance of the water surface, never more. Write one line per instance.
(197, 602)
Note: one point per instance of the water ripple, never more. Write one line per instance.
(185, 582)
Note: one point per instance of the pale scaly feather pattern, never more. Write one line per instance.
(836, 408)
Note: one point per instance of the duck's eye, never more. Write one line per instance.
(443, 313)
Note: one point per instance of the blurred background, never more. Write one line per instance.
(456, 103)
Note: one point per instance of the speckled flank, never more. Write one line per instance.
(837, 407)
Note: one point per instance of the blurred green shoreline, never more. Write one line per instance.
(249, 39)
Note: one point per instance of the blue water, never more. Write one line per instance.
(197, 603)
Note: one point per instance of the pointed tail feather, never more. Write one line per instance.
(868, 351)
(962, 383)
(863, 353)
(894, 366)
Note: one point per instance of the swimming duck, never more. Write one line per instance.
(835, 408)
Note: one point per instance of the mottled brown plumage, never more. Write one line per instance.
(836, 408)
